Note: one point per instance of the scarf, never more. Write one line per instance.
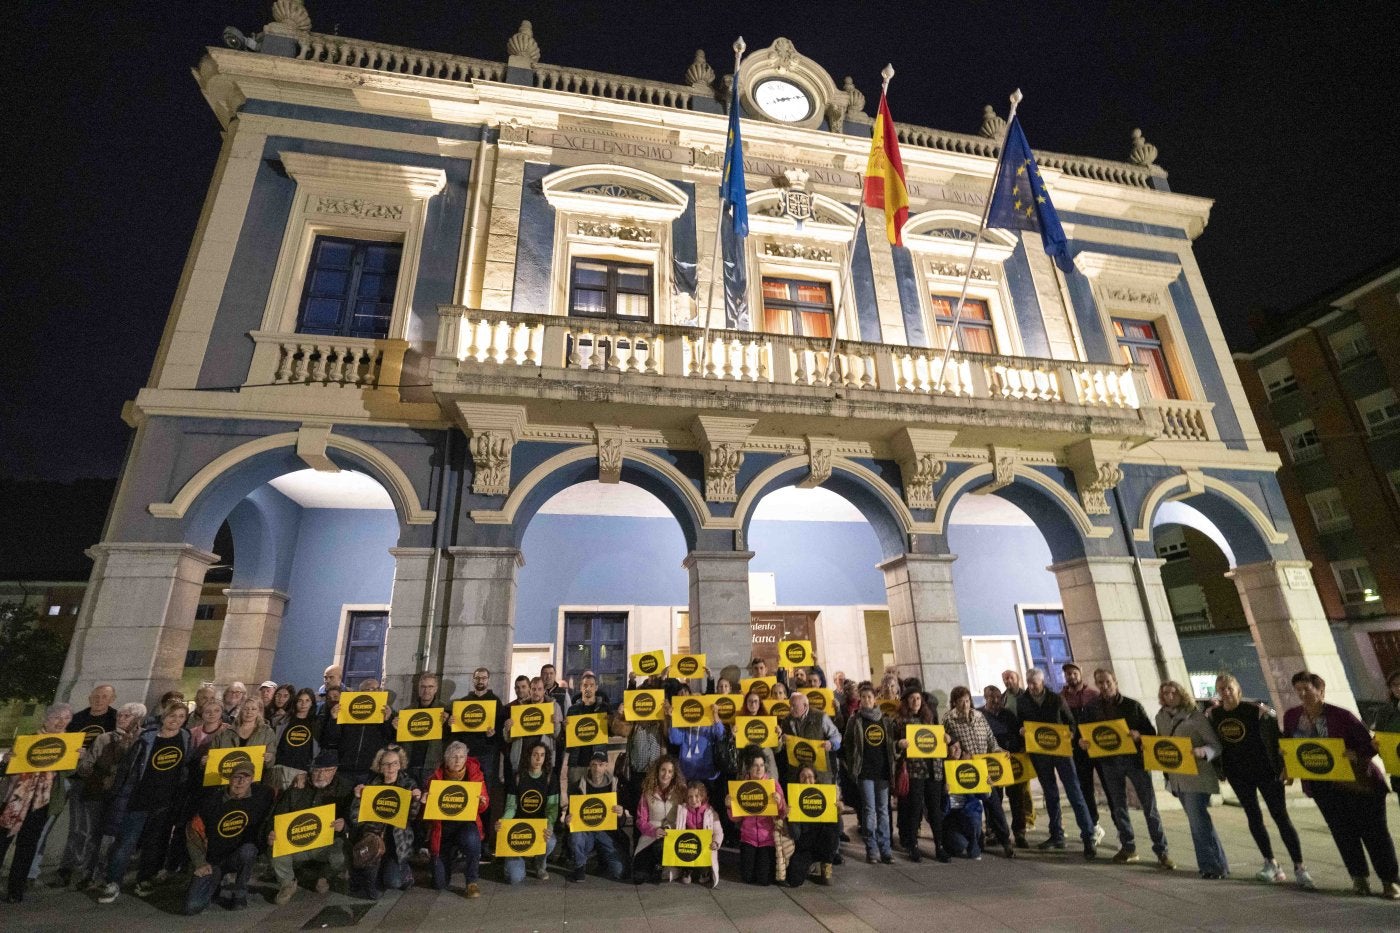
(27, 793)
(872, 715)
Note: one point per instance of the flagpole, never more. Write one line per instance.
(717, 269)
(976, 241)
(846, 277)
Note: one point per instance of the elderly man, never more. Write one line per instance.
(234, 695)
(1011, 680)
(266, 690)
(87, 796)
(99, 717)
(225, 840)
(323, 786)
(1039, 705)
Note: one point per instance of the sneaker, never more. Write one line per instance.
(285, 893)
(542, 873)
(685, 878)
(109, 893)
(1126, 856)
(323, 885)
(1090, 852)
(1304, 878)
(1051, 843)
(576, 875)
(1271, 873)
(1021, 842)
(1212, 875)
(1391, 891)
(473, 890)
(1164, 862)
(144, 888)
(870, 858)
(887, 859)
(1361, 886)
(1098, 834)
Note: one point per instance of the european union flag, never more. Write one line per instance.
(734, 223)
(1020, 201)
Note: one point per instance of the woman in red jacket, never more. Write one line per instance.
(449, 839)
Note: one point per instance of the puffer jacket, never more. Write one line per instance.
(1192, 723)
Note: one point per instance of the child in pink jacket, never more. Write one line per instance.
(757, 834)
(698, 814)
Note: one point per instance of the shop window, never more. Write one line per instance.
(1139, 342)
(797, 306)
(606, 288)
(350, 288)
(974, 330)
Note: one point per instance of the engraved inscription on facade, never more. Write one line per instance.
(358, 207)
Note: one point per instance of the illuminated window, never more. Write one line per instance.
(1357, 583)
(797, 306)
(1139, 342)
(606, 288)
(974, 332)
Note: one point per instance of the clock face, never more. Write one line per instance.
(782, 100)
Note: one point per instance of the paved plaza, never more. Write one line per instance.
(1036, 892)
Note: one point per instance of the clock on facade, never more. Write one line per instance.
(782, 100)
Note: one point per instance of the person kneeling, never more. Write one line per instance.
(584, 844)
(536, 797)
(224, 838)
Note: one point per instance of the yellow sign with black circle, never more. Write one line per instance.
(1316, 760)
(531, 719)
(812, 803)
(583, 729)
(1109, 738)
(592, 813)
(362, 707)
(383, 803)
(47, 751)
(420, 725)
(925, 741)
(452, 800)
(303, 830)
(753, 798)
(756, 730)
(643, 705)
(520, 838)
(221, 762)
(686, 848)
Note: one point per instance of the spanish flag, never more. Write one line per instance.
(884, 176)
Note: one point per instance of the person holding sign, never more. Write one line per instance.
(548, 737)
(97, 767)
(697, 814)
(698, 746)
(870, 756)
(658, 811)
(1387, 719)
(1006, 729)
(358, 742)
(1353, 810)
(969, 735)
(815, 844)
(450, 839)
(927, 798)
(536, 797)
(26, 798)
(758, 835)
(583, 842)
(320, 787)
(382, 863)
(225, 837)
(806, 723)
(1180, 717)
(249, 728)
(589, 703)
(1038, 705)
(1252, 764)
(1118, 771)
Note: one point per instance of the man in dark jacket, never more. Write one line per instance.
(588, 702)
(224, 838)
(323, 786)
(1006, 727)
(485, 747)
(1119, 770)
(1038, 705)
(356, 744)
(870, 755)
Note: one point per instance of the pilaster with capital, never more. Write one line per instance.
(721, 442)
(1097, 469)
(922, 458)
(492, 431)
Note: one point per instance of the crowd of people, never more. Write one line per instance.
(139, 811)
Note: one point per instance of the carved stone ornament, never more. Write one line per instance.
(707, 159)
(612, 448)
(700, 74)
(992, 125)
(956, 270)
(358, 207)
(820, 451)
(513, 133)
(798, 251)
(1004, 461)
(491, 454)
(522, 46)
(922, 457)
(1143, 152)
(721, 442)
(855, 100)
(835, 118)
(795, 201)
(630, 233)
(292, 13)
(1132, 296)
(784, 53)
(611, 190)
(1096, 467)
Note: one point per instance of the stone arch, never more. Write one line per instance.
(1061, 519)
(862, 487)
(962, 229)
(605, 188)
(1247, 528)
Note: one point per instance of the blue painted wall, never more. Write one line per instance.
(999, 566)
(819, 563)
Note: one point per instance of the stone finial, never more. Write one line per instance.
(1143, 152)
(835, 118)
(292, 14)
(855, 100)
(992, 125)
(700, 74)
(727, 90)
(524, 51)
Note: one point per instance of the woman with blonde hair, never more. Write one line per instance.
(659, 811)
(248, 729)
(1179, 716)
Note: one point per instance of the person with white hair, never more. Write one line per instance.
(25, 802)
(92, 786)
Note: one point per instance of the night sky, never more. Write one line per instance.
(1282, 113)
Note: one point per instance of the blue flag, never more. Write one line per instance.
(1020, 201)
(734, 223)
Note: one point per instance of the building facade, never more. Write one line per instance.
(1322, 384)
(443, 325)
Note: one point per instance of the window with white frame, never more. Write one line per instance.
(1278, 378)
(1350, 343)
(1357, 583)
(1380, 411)
(941, 243)
(1140, 342)
(797, 306)
(1328, 510)
(1302, 441)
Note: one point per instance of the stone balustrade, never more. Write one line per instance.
(356, 53)
(1186, 421)
(342, 362)
(613, 87)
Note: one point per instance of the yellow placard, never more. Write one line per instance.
(586, 729)
(763, 686)
(592, 813)
(527, 719)
(753, 798)
(381, 803)
(1388, 744)
(777, 707)
(220, 763)
(1022, 769)
(691, 710)
(520, 838)
(999, 770)
(796, 653)
(1316, 760)
(812, 803)
(452, 800)
(643, 705)
(362, 707)
(687, 666)
(723, 706)
(303, 830)
(686, 848)
(420, 725)
(1048, 738)
(1168, 753)
(473, 715)
(803, 752)
(756, 730)
(1107, 739)
(822, 699)
(46, 751)
(925, 741)
(967, 776)
(889, 707)
(649, 663)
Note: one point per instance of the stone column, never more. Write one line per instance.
(924, 621)
(1290, 629)
(134, 626)
(480, 599)
(249, 637)
(408, 617)
(1109, 627)
(720, 623)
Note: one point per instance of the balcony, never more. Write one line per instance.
(660, 375)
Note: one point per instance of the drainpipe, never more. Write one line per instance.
(1159, 657)
(435, 565)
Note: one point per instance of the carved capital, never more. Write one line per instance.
(612, 448)
(821, 451)
(513, 133)
(922, 457)
(492, 431)
(1004, 461)
(1096, 466)
(721, 442)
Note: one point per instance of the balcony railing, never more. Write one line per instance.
(339, 362)
(508, 339)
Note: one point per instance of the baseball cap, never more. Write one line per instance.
(243, 767)
(1070, 666)
(599, 756)
(269, 683)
